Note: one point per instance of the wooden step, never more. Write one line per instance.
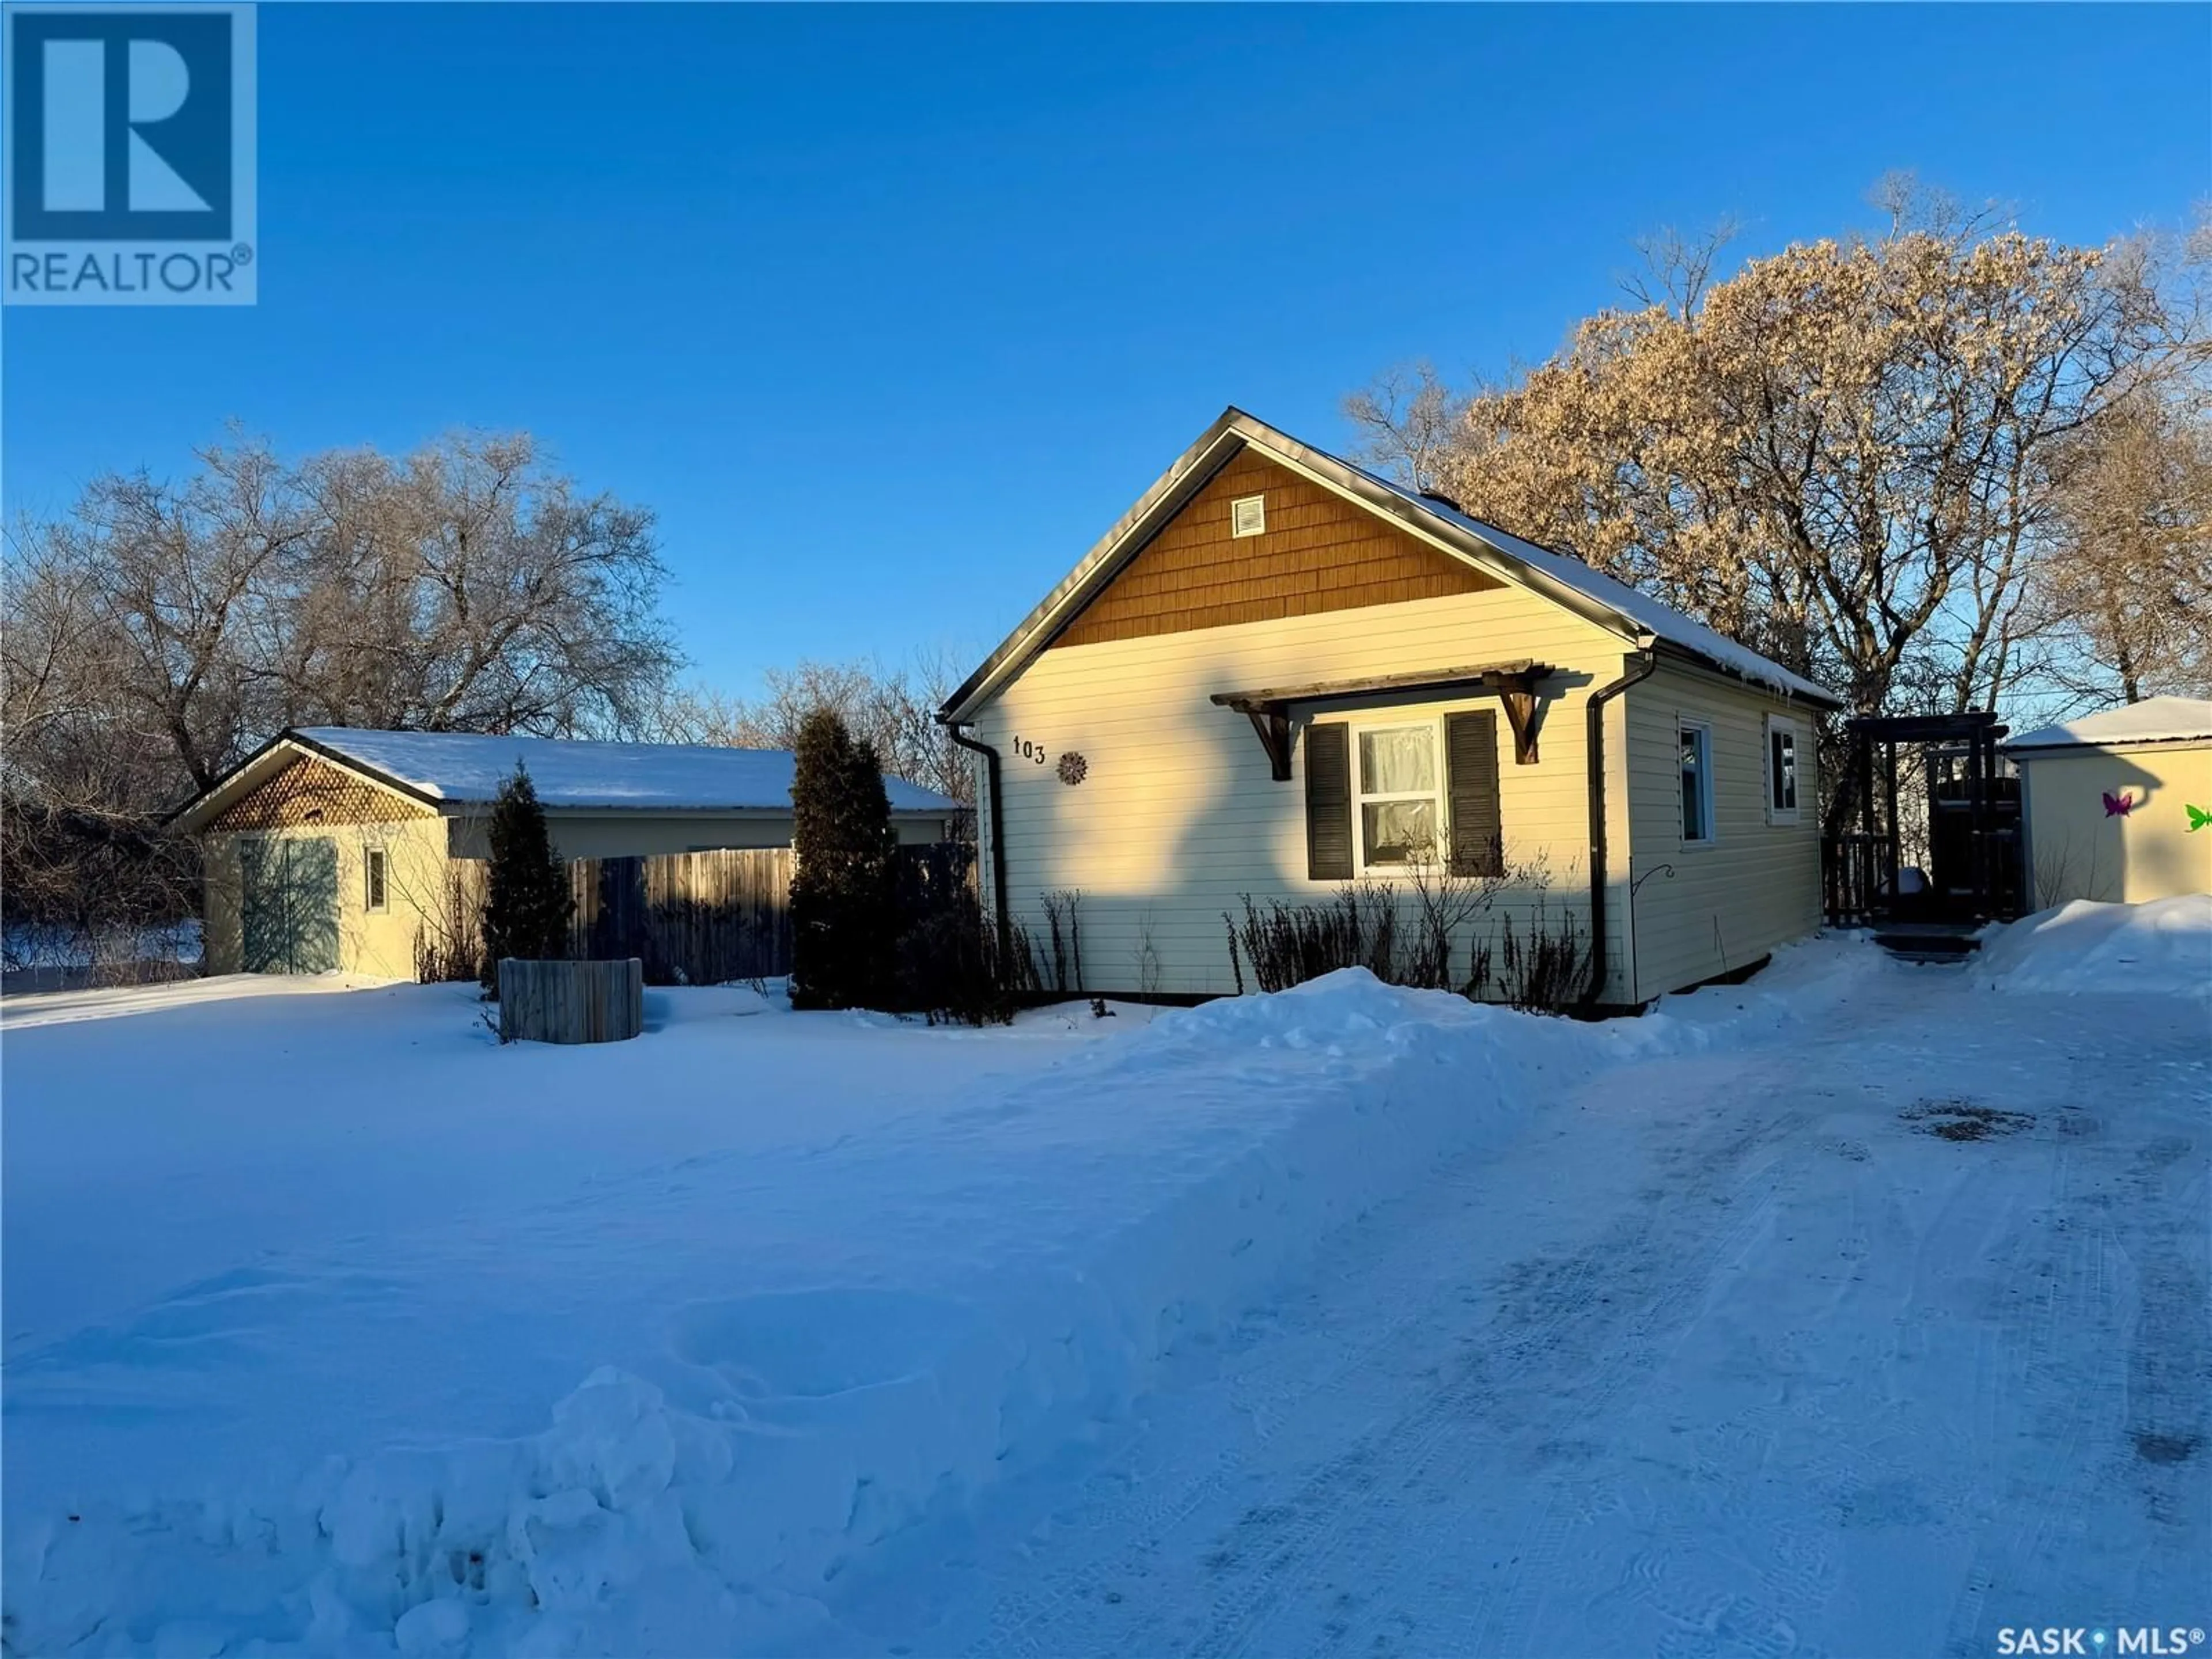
(1927, 941)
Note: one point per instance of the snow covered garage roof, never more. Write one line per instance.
(461, 768)
(2154, 720)
(1566, 581)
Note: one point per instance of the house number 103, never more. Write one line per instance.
(1030, 752)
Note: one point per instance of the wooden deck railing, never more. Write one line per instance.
(1858, 874)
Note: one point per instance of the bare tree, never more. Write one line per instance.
(160, 629)
(1409, 419)
(892, 708)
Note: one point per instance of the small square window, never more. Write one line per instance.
(1697, 769)
(1248, 515)
(373, 879)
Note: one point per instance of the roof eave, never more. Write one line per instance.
(1818, 696)
(2078, 745)
(1190, 472)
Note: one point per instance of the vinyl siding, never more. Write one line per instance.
(2080, 851)
(1701, 910)
(1177, 816)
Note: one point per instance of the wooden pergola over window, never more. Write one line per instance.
(1514, 684)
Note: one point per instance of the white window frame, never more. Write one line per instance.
(372, 859)
(1685, 723)
(1361, 796)
(1259, 505)
(1782, 725)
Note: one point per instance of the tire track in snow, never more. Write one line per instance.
(1598, 1316)
(2016, 1279)
(1277, 1391)
(1524, 1318)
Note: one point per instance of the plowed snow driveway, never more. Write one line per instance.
(1776, 1352)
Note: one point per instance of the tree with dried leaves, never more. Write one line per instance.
(2130, 576)
(1847, 455)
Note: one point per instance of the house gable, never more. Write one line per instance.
(1319, 552)
(313, 791)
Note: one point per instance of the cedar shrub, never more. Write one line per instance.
(845, 912)
(526, 904)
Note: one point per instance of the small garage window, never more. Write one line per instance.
(1782, 740)
(374, 876)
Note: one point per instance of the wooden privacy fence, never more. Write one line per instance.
(570, 1001)
(692, 918)
(702, 918)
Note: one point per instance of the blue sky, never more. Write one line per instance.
(889, 313)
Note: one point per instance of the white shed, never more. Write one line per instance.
(2119, 806)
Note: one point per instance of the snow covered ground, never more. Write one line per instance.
(2103, 950)
(1861, 1309)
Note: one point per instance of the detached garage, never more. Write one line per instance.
(337, 848)
(2119, 806)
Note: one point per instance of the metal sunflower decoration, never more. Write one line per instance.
(1073, 768)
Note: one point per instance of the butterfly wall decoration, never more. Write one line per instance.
(2119, 805)
(2198, 817)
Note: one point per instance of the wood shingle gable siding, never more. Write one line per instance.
(311, 791)
(1319, 553)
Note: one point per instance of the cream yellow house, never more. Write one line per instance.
(1279, 674)
(2107, 801)
(337, 848)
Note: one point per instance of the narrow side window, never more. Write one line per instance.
(1781, 770)
(1696, 772)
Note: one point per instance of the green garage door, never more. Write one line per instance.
(289, 904)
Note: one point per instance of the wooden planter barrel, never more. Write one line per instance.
(570, 1001)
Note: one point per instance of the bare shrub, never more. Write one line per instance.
(109, 896)
(1413, 936)
(1549, 969)
(1287, 945)
(1059, 953)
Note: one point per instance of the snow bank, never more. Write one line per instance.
(1057, 1239)
(2165, 945)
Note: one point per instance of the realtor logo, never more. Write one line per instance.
(129, 173)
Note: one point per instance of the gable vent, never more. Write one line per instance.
(1248, 515)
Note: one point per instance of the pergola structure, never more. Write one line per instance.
(1972, 843)
(1513, 683)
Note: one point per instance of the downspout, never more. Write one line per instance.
(1639, 665)
(1000, 916)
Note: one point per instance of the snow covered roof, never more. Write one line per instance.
(466, 768)
(1566, 581)
(2154, 720)
(1660, 621)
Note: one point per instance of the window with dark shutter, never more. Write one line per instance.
(1328, 803)
(1477, 834)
